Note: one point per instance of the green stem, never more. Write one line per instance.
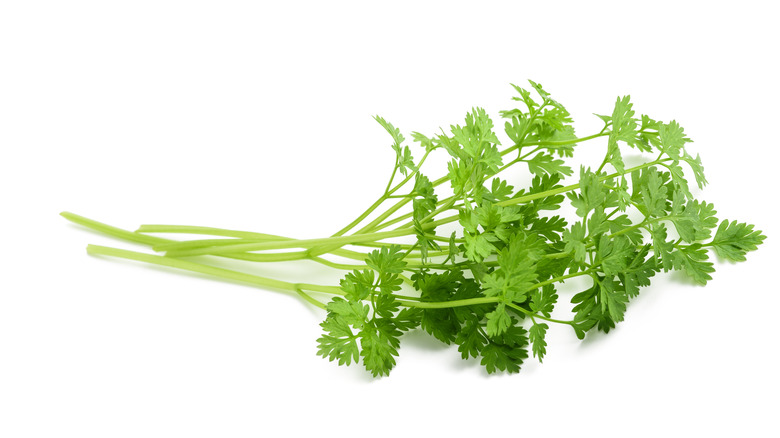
(387, 195)
(304, 243)
(528, 198)
(375, 226)
(558, 191)
(311, 300)
(568, 142)
(113, 231)
(207, 231)
(364, 215)
(536, 315)
(448, 304)
(225, 274)
(253, 237)
(556, 142)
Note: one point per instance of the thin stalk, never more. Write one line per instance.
(311, 300)
(304, 243)
(536, 315)
(254, 237)
(208, 231)
(555, 143)
(386, 195)
(114, 231)
(377, 226)
(225, 274)
(364, 215)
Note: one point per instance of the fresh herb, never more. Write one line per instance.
(490, 286)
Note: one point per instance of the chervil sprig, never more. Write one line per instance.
(491, 286)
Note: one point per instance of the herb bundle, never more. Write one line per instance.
(490, 286)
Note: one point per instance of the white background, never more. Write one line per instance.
(257, 116)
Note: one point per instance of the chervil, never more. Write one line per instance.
(490, 287)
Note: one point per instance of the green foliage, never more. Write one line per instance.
(733, 240)
(490, 286)
(693, 261)
(498, 301)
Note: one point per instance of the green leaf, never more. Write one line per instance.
(470, 339)
(574, 239)
(544, 183)
(408, 318)
(590, 312)
(498, 321)
(550, 228)
(379, 346)
(623, 197)
(698, 169)
(673, 139)
(638, 272)
(695, 221)
(358, 285)
(592, 193)
(444, 324)
(662, 248)
(459, 173)
(517, 128)
(614, 253)
(623, 225)
(525, 97)
(678, 178)
(510, 286)
(733, 240)
(538, 87)
(352, 312)
(387, 260)
(613, 300)
(424, 141)
(477, 134)
(394, 132)
(597, 223)
(623, 129)
(693, 261)
(500, 190)
(385, 306)
(536, 335)
(338, 343)
(477, 246)
(506, 352)
(423, 188)
(551, 121)
(654, 193)
(547, 164)
(404, 160)
(543, 300)
(614, 157)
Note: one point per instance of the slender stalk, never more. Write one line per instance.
(254, 237)
(448, 304)
(536, 315)
(208, 231)
(385, 196)
(364, 215)
(114, 231)
(304, 243)
(225, 274)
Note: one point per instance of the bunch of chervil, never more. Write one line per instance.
(489, 287)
